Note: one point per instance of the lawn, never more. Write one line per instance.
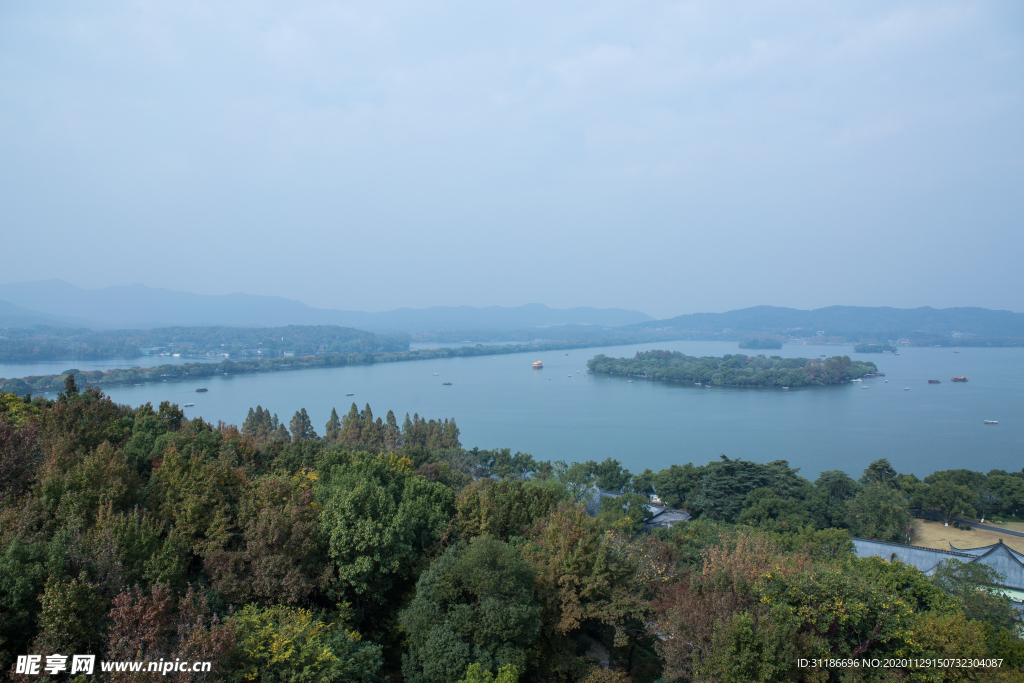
(935, 535)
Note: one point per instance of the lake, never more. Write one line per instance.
(561, 412)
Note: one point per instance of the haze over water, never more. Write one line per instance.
(504, 403)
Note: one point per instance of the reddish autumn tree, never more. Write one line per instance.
(152, 625)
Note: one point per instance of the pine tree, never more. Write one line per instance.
(301, 426)
(392, 434)
(332, 431)
(70, 388)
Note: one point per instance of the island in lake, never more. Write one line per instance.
(874, 348)
(761, 344)
(734, 369)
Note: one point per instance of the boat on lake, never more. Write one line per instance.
(959, 379)
(350, 394)
(991, 422)
(629, 381)
(537, 365)
(446, 384)
(189, 405)
(201, 390)
(934, 381)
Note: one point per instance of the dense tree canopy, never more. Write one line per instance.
(734, 369)
(384, 550)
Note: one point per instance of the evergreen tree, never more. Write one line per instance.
(392, 434)
(332, 431)
(281, 433)
(301, 426)
(879, 472)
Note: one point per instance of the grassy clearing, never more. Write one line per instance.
(935, 535)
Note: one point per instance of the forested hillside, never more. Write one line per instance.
(379, 548)
(57, 343)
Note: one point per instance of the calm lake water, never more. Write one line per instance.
(561, 412)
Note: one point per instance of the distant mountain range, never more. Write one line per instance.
(55, 302)
(16, 316)
(852, 322)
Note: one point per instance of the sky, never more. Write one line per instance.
(670, 157)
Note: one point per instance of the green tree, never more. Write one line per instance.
(837, 488)
(986, 496)
(675, 483)
(71, 617)
(475, 673)
(765, 509)
(332, 431)
(975, 587)
(578, 479)
(22, 581)
(280, 644)
(301, 426)
(475, 605)
(878, 511)
(949, 500)
(502, 508)
(626, 512)
(611, 476)
(879, 472)
(643, 483)
(278, 557)
(378, 520)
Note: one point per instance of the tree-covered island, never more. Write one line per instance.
(734, 369)
(874, 348)
(761, 344)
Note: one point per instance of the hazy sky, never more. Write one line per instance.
(667, 156)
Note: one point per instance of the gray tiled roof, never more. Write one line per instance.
(924, 559)
(998, 556)
(668, 518)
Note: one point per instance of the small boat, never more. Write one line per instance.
(201, 390)
(991, 422)
(629, 381)
(446, 384)
(886, 381)
(896, 353)
(785, 388)
(906, 388)
(350, 394)
(959, 379)
(190, 405)
(435, 374)
(856, 380)
(934, 381)
(956, 352)
(537, 365)
(865, 387)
